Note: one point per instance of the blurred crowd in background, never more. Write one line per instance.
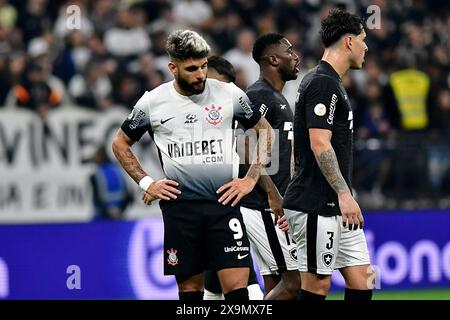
(401, 98)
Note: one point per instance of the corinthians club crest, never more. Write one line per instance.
(214, 117)
(172, 259)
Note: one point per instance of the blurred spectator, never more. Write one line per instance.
(16, 68)
(92, 89)
(147, 74)
(97, 47)
(416, 44)
(8, 15)
(128, 91)
(79, 50)
(164, 24)
(129, 37)
(192, 13)
(411, 90)
(111, 195)
(4, 81)
(103, 15)
(372, 155)
(439, 169)
(34, 93)
(440, 114)
(55, 83)
(5, 47)
(34, 19)
(294, 14)
(241, 56)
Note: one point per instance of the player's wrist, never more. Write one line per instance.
(145, 183)
(250, 179)
(345, 195)
(273, 192)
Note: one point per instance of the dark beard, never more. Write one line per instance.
(287, 74)
(186, 87)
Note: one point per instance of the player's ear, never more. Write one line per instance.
(172, 67)
(348, 42)
(273, 60)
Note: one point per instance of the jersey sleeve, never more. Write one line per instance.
(138, 122)
(321, 100)
(244, 110)
(264, 103)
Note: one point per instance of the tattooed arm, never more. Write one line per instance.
(265, 181)
(329, 166)
(238, 188)
(264, 151)
(122, 150)
(326, 159)
(162, 189)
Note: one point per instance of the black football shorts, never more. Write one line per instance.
(203, 235)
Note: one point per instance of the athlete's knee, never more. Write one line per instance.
(291, 282)
(316, 283)
(190, 283)
(233, 279)
(292, 287)
(360, 277)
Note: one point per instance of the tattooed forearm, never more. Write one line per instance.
(266, 183)
(329, 166)
(264, 150)
(254, 172)
(127, 159)
(130, 164)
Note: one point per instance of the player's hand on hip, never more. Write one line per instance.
(351, 212)
(164, 189)
(282, 223)
(276, 204)
(236, 189)
(147, 198)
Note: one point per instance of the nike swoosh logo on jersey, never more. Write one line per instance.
(242, 257)
(164, 121)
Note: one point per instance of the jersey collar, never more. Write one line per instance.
(329, 69)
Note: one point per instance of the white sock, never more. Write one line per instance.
(254, 292)
(208, 295)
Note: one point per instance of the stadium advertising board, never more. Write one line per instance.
(123, 260)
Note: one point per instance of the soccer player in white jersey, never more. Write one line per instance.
(191, 122)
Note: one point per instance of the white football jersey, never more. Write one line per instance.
(194, 134)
